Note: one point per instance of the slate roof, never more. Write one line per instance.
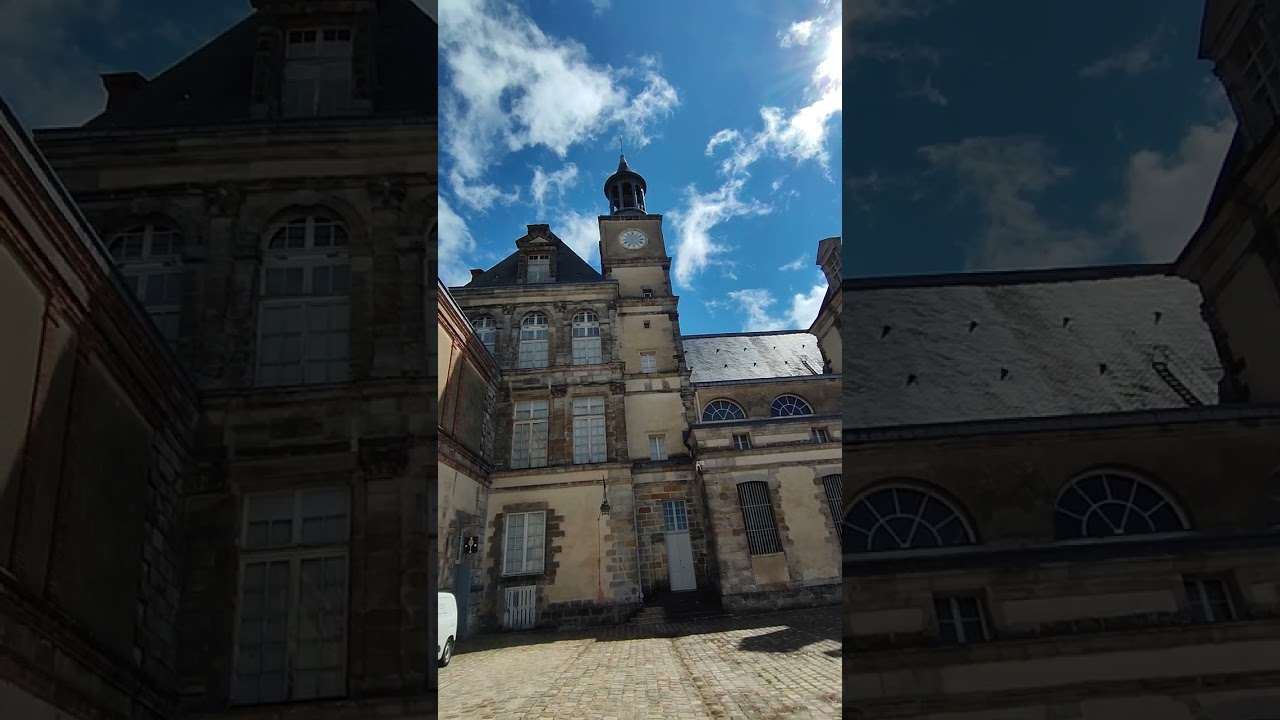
(212, 85)
(570, 268)
(752, 356)
(1035, 345)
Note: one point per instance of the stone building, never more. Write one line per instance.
(631, 463)
(1060, 486)
(96, 427)
(271, 200)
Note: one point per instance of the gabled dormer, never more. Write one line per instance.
(1242, 37)
(537, 256)
(541, 257)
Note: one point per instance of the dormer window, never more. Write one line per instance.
(539, 269)
(317, 72)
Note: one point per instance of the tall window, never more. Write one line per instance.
(522, 553)
(586, 339)
(833, 488)
(588, 430)
(535, 342)
(317, 72)
(529, 434)
(788, 405)
(305, 311)
(149, 259)
(292, 632)
(539, 269)
(899, 518)
(757, 518)
(648, 362)
(1261, 67)
(487, 330)
(1105, 504)
(657, 447)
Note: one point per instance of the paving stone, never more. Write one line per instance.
(775, 665)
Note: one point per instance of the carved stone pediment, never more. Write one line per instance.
(387, 193)
(384, 457)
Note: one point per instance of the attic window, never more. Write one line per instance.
(539, 269)
(1259, 67)
(317, 72)
(646, 292)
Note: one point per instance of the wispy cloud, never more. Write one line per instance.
(600, 6)
(929, 92)
(760, 312)
(794, 264)
(456, 245)
(514, 87)
(799, 135)
(1143, 56)
(545, 184)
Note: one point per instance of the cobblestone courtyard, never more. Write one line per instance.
(776, 665)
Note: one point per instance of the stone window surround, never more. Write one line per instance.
(150, 264)
(507, 322)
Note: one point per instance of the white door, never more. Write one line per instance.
(519, 608)
(679, 550)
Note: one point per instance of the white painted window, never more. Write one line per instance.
(529, 434)
(291, 632)
(317, 72)
(646, 292)
(487, 330)
(149, 257)
(819, 435)
(657, 447)
(535, 342)
(789, 405)
(304, 314)
(718, 410)
(742, 442)
(648, 362)
(1208, 599)
(588, 430)
(539, 269)
(1113, 503)
(961, 619)
(757, 518)
(525, 542)
(903, 518)
(586, 339)
(1261, 66)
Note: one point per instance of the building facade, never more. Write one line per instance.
(1060, 486)
(270, 200)
(632, 463)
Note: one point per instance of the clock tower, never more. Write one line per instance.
(632, 250)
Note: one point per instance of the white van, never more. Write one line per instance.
(447, 624)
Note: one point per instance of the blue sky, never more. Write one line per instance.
(731, 111)
(1000, 135)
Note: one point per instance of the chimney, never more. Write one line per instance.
(120, 86)
(475, 274)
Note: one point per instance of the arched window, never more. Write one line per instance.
(586, 338)
(535, 342)
(487, 330)
(149, 256)
(788, 405)
(902, 518)
(722, 410)
(1113, 503)
(304, 315)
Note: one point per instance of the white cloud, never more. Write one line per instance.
(929, 92)
(600, 6)
(757, 304)
(1166, 195)
(479, 196)
(580, 232)
(1132, 61)
(557, 182)
(695, 247)
(794, 264)
(456, 244)
(514, 87)
(800, 33)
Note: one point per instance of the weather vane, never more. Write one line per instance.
(620, 150)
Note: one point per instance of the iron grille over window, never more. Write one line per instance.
(833, 487)
(757, 518)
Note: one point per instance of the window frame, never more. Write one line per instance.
(775, 410)
(658, 448)
(590, 419)
(506, 529)
(586, 349)
(650, 367)
(540, 260)
(1206, 612)
(531, 422)
(726, 403)
(745, 443)
(957, 621)
(956, 515)
(295, 554)
(480, 329)
(138, 272)
(772, 535)
(525, 343)
(1138, 480)
(819, 435)
(326, 70)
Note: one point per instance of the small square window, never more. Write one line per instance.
(1208, 600)
(819, 435)
(646, 324)
(647, 292)
(741, 442)
(961, 619)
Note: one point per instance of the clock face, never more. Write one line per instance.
(632, 239)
